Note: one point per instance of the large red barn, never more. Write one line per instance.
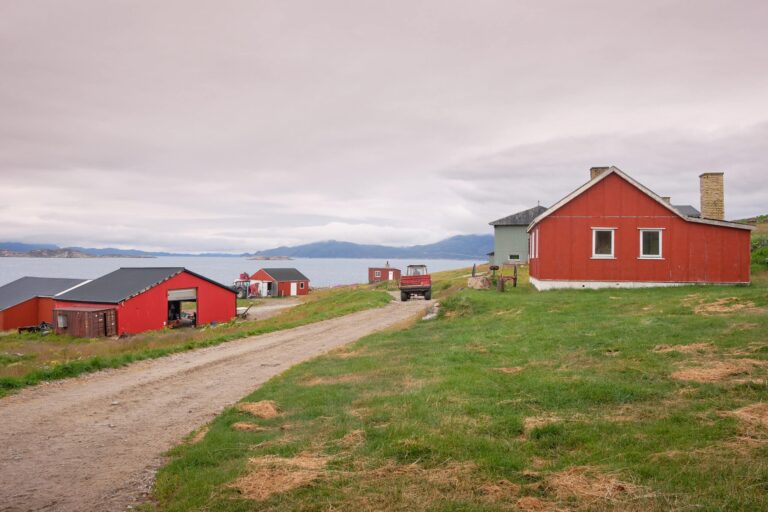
(281, 282)
(29, 300)
(614, 232)
(142, 299)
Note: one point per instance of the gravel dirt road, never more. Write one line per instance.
(94, 443)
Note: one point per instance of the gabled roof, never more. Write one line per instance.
(124, 283)
(26, 288)
(285, 274)
(615, 170)
(522, 218)
(687, 210)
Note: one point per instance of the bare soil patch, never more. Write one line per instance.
(265, 409)
(353, 439)
(589, 485)
(271, 475)
(529, 503)
(717, 371)
(693, 347)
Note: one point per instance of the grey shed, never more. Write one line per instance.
(510, 238)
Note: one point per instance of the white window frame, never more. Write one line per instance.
(537, 242)
(660, 256)
(611, 256)
(301, 285)
(377, 273)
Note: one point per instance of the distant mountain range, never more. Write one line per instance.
(457, 247)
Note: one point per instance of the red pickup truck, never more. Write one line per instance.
(416, 281)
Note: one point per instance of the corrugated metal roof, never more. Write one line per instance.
(120, 285)
(285, 274)
(522, 218)
(687, 210)
(25, 288)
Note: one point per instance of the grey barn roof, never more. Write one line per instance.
(522, 218)
(687, 210)
(26, 288)
(124, 283)
(285, 274)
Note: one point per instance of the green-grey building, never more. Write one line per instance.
(510, 238)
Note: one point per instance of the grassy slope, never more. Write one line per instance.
(29, 358)
(422, 419)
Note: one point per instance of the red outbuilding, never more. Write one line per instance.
(280, 282)
(614, 232)
(133, 300)
(385, 273)
(29, 301)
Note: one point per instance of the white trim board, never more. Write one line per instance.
(547, 284)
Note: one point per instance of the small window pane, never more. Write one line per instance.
(514, 256)
(651, 243)
(604, 243)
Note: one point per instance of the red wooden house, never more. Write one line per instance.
(385, 273)
(280, 282)
(614, 232)
(29, 300)
(133, 300)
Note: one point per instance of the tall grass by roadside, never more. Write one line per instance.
(28, 359)
(651, 399)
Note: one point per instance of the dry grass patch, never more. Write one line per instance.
(590, 486)
(723, 305)
(244, 426)
(353, 439)
(717, 371)
(693, 347)
(270, 475)
(509, 370)
(533, 422)
(199, 435)
(529, 503)
(755, 415)
(337, 379)
(264, 409)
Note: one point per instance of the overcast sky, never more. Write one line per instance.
(242, 125)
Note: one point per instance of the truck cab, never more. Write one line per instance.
(416, 281)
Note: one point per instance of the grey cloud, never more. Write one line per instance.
(238, 125)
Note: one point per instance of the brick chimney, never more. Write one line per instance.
(594, 172)
(712, 200)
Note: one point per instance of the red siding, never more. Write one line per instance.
(20, 315)
(149, 310)
(283, 287)
(692, 252)
(384, 274)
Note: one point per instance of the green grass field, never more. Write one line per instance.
(27, 359)
(651, 399)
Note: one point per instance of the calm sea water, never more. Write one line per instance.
(321, 272)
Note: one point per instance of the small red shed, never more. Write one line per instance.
(281, 282)
(143, 299)
(614, 232)
(29, 300)
(385, 273)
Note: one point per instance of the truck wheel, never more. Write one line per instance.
(403, 296)
(428, 295)
(241, 293)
